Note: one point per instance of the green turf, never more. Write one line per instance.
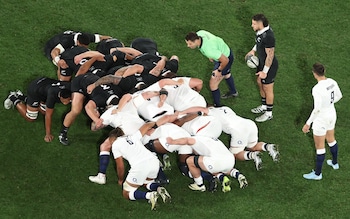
(48, 180)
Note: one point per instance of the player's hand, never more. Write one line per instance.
(48, 137)
(169, 140)
(120, 182)
(211, 60)
(306, 128)
(62, 64)
(251, 52)
(77, 59)
(99, 123)
(261, 74)
(90, 88)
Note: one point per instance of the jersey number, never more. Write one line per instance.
(332, 97)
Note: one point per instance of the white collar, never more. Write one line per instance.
(263, 30)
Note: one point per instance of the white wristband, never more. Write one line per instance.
(56, 59)
(266, 69)
(254, 48)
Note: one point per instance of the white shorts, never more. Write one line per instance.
(139, 173)
(207, 126)
(244, 136)
(222, 164)
(321, 125)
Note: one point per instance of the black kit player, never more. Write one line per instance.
(56, 45)
(108, 46)
(268, 65)
(42, 95)
(79, 93)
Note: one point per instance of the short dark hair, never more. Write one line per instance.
(115, 133)
(318, 69)
(262, 18)
(192, 36)
(84, 39)
(65, 93)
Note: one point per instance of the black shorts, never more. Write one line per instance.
(104, 95)
(105, 46)
(129, 83)
(80, 83)
(271, 74)
(150, 79)
(33, 99)
(171, 65)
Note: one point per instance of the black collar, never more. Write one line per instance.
(201, 42)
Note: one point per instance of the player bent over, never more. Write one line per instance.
(43, 93)
(213, 157)
(323, 118)
(244, 134)
(144, 166)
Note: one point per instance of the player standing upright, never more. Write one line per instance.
(323, 117)
(218, 52)
(268, 65)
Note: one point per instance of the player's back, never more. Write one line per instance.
(326, 93)
(209, 146)
(131, 148)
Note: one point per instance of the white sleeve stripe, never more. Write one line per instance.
(60, 47)
(97, 38)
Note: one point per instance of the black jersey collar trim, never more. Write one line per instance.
(201, 42)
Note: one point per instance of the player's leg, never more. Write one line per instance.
(269, 97)
(214, 87)
(226, 72)
(131, 192)
(194, 164)
(104, 157)
(235, 173)
(320, 156)
(76, 108)
(261, 108)
(333, 147)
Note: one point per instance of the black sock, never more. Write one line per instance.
(64, 130)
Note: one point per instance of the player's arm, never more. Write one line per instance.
(159, 66)
(108, 79)
(48, 121)
(130, 52)
(270, 52)
(119, 161)
(181, 141)
(103, 37)
(162, 83)
(314, 113)
(251, 52)
(92, 112)
(183, 120)
(124, 100)
(87, 54)
(55, 53)
(195, 109)
(146, 127)
(337, 94)
(223, 62)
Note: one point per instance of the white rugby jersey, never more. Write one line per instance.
(127, 119)
(131, 148)
(209, 147)
(325, 94)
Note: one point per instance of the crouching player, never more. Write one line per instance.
(43, 93)
(144, 166)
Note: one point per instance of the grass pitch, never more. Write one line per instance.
(48, 180)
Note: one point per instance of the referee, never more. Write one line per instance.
(219, 52)
(268, 65)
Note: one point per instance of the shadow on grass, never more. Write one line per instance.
(244, 16)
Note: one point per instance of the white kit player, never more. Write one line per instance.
(144, 166)
(244, 134)
(128, 120)
(211, 156)
(323, 118)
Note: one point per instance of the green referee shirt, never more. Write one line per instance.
(213, 46)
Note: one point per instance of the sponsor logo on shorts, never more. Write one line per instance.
(134, 179)
(210, 167)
